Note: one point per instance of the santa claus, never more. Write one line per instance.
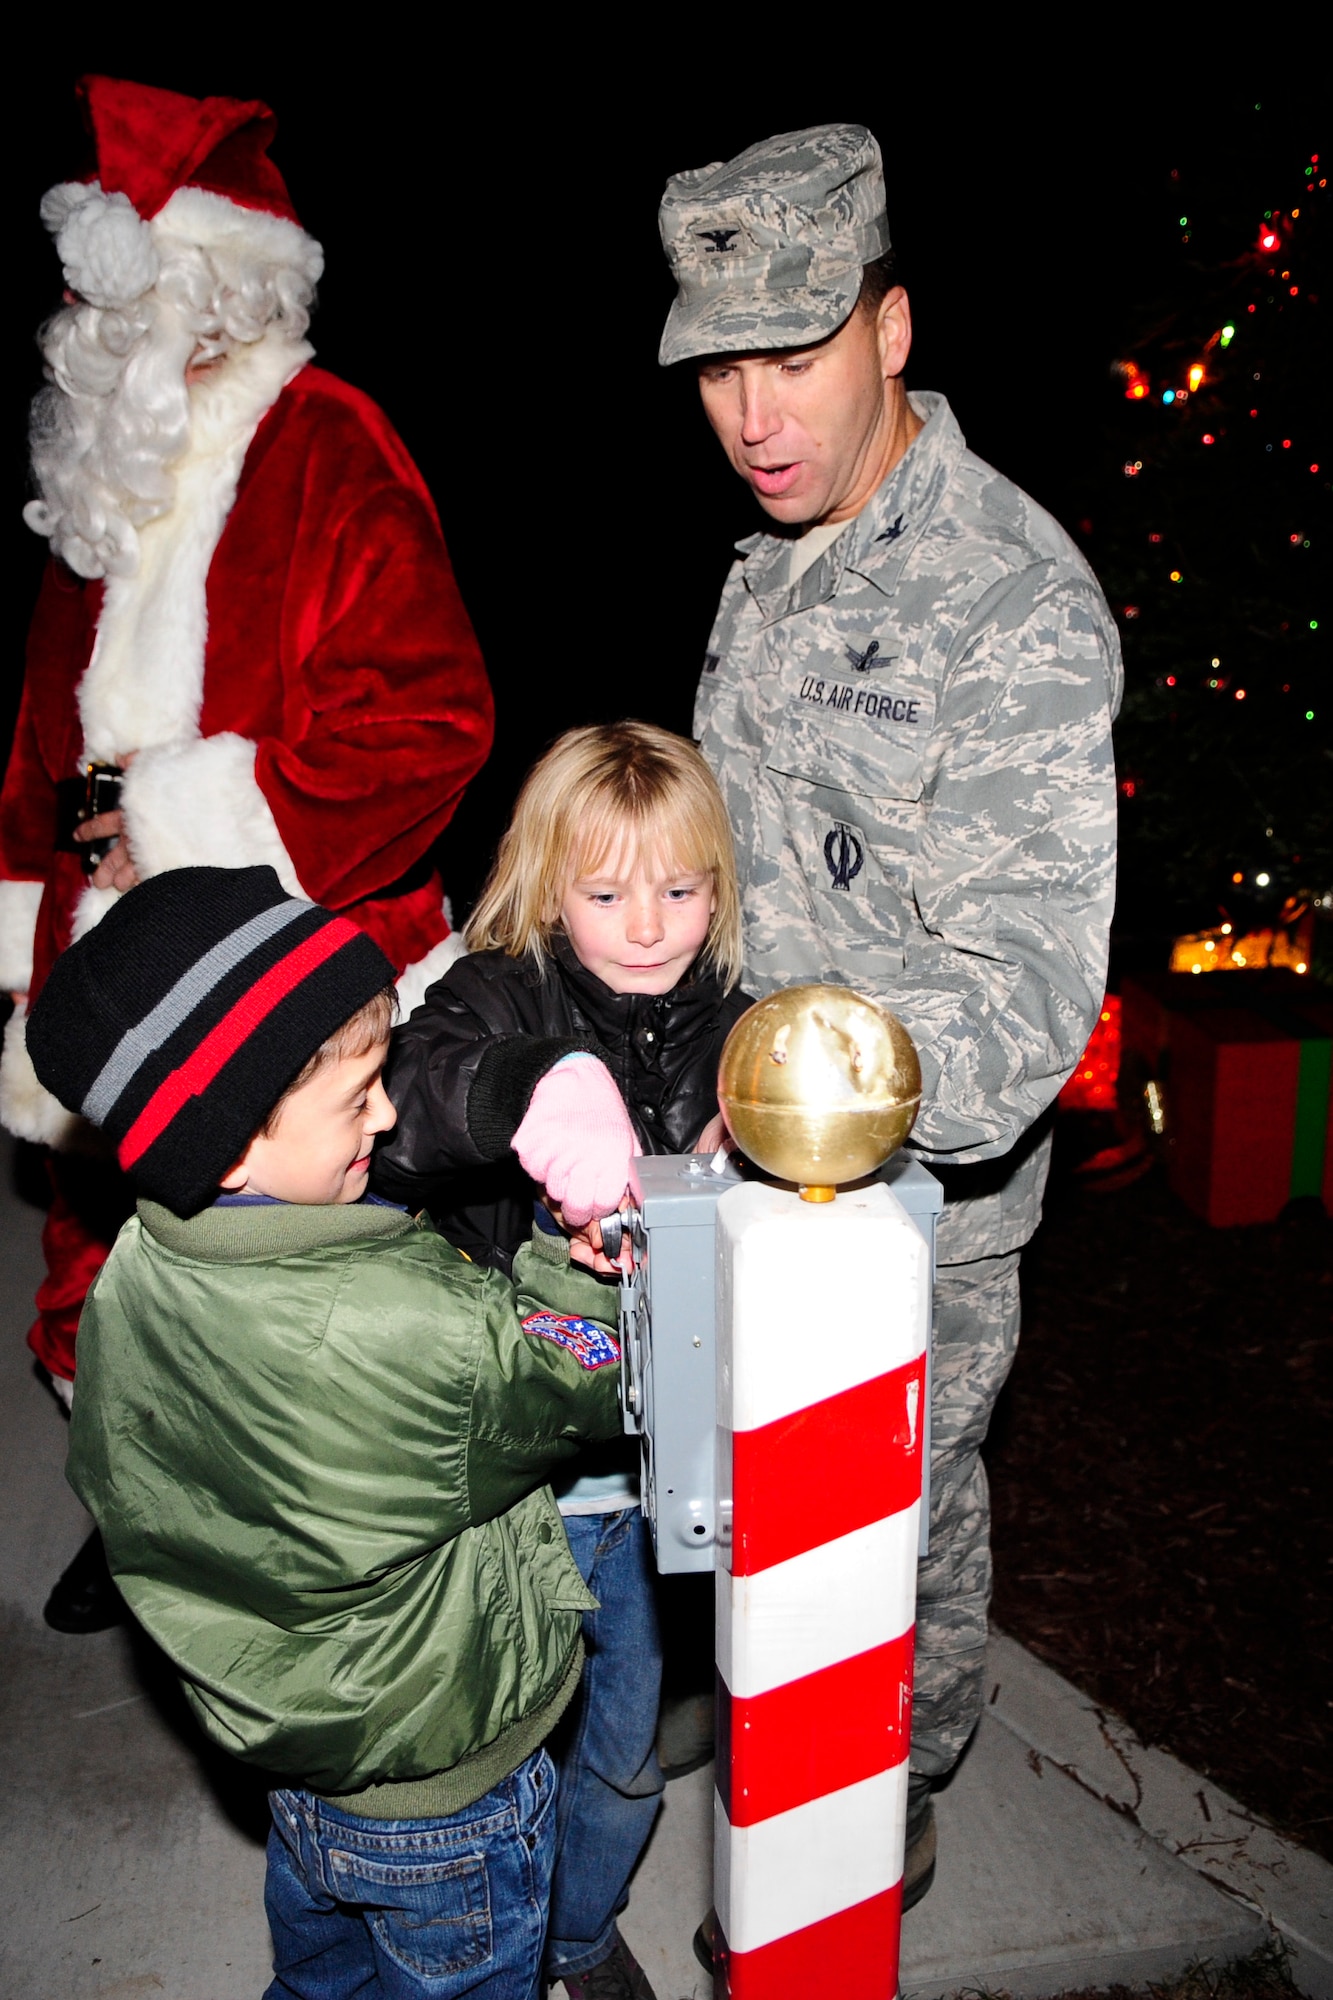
(249, 613)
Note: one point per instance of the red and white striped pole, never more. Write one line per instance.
(822, 1326)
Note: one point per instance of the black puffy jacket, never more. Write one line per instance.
(462, 1070)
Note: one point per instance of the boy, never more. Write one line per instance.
(314, 1437)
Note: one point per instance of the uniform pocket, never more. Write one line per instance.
(865, 740)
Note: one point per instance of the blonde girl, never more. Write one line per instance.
(584, 1026)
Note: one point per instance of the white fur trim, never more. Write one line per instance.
(90, 909)
(27, 1108)
(19, 904)
(145, 682)
(196, 215)
(412, 986)
(191, 805)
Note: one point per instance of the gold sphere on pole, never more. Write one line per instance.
(819, 1086)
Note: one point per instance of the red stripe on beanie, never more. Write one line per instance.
(221, 1043)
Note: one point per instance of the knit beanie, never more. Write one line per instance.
(180, 1020)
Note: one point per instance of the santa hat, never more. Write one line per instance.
(194, 169)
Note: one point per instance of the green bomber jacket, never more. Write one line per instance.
(315, 1440)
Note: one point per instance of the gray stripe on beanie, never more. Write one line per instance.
(141, 1041)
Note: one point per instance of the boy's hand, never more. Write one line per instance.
(576, 1140)
(585, 1243)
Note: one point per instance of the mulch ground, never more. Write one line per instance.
(1160, 1474)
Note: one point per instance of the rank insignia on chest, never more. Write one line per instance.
(590, 1344)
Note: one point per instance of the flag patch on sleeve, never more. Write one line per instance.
(590, 1345)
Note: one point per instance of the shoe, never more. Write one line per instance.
(704, 1942)
(684, 1734)
(920, 1843)
(618, 1977)
(85, 1598)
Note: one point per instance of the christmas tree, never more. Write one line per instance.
(1210, 537)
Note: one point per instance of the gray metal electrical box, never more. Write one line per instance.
(668, 1377)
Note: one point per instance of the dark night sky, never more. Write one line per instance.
(494, 280)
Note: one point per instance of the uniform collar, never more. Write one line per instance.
(877, 544)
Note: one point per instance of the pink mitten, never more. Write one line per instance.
(576, 1140)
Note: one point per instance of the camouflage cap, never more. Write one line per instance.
(767, 249)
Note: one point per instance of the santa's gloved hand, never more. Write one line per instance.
(576, 1140)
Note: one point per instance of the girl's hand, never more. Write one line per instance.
(576, 1140)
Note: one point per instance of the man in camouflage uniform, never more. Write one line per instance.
(907, 698)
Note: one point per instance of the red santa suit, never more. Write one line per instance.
(291, 662)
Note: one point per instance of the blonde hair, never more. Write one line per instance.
(594, 789)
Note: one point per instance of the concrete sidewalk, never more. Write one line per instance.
(134, 1857)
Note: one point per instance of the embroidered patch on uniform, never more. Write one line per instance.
(843, 855)
(589, 1344)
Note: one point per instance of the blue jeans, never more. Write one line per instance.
(610, 1783)
(411, 1909)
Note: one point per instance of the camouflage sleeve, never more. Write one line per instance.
(1014, 876)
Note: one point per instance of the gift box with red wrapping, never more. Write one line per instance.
(1245, 1065)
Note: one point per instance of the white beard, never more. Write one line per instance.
(144, 684)
(106, 431)
(204, 281)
